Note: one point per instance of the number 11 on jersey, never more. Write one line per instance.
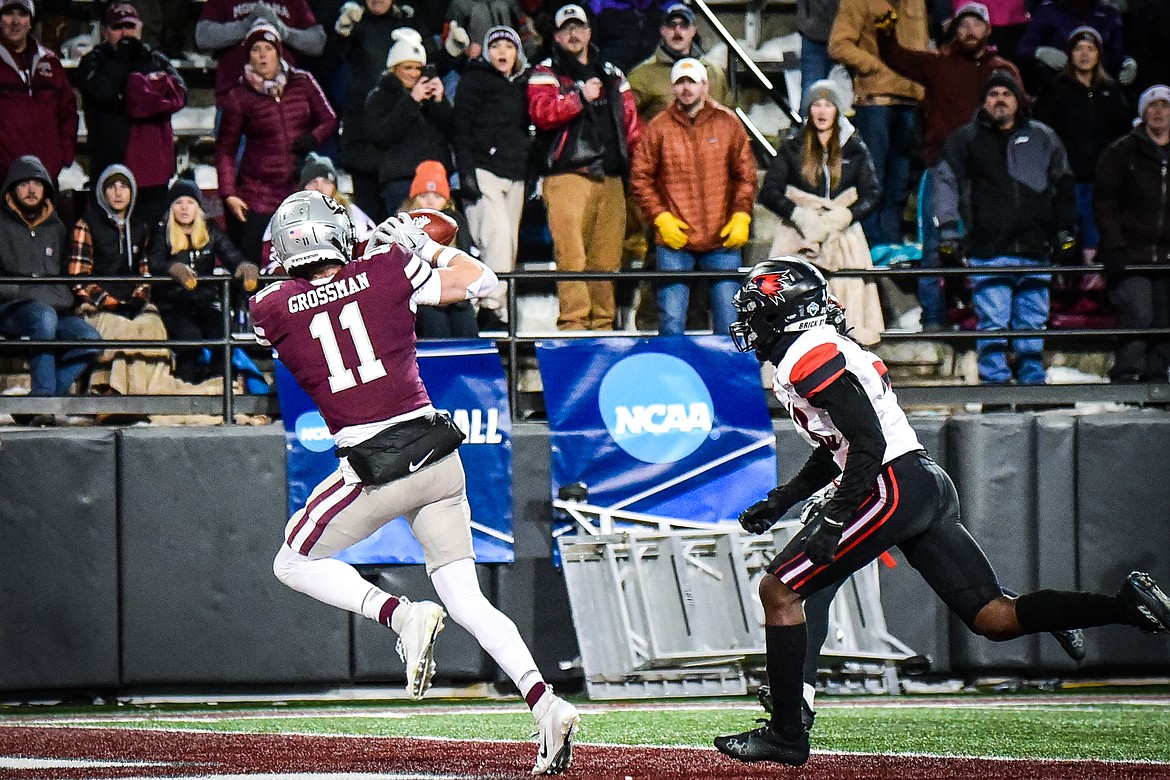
(369, 366)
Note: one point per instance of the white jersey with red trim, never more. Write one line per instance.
(816, 358)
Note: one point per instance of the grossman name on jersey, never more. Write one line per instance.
(319, 296)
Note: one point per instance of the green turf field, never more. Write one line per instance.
(1100, 727)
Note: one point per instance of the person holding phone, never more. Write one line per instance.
(407, 117)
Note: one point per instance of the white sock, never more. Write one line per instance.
(458, 589)
(810, 693)
(330, 581)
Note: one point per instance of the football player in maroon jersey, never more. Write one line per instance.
(346, 332)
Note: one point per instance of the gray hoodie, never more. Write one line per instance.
(32, 247)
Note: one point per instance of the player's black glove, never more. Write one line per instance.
(760, 516)
(821, 547)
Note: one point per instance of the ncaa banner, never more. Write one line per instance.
(673, 425)
(464, 378)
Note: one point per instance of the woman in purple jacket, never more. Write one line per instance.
(281, 115)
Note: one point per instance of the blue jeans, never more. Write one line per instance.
(890, 132)
(815, 64)
(1085, 219)
(51, 374)
(1018, 301)
(931, 290)
(673, 296)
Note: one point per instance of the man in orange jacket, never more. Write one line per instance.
(694, 176)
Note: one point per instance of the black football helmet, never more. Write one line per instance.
(781, 295)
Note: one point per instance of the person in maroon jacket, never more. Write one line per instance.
(38, 112)
(953, 78)
(224, 24)
(283, 114)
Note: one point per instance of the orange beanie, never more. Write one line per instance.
(430, 176)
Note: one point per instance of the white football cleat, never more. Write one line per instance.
(557, 722)
(421, 623)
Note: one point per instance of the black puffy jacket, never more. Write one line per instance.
(491, 123)
(405, 131)
(1086, 119)
(1131, 201)
(856, 171)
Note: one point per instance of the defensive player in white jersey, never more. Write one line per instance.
(889, 493)
(345, 329)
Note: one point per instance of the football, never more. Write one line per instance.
(440, 227)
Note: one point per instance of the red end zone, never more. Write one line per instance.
(37, 753)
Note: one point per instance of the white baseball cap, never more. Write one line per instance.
(570, 13)
(688, 68)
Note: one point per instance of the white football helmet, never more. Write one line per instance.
(309, 229)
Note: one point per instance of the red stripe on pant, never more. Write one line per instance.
(872, 501)
(313, 504)
(353, 492)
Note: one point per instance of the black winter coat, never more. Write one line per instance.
(491, 123)
(856, 171)
(405, 131)
(101, 78)
(160, 258)
(1013, 191)
(1087, 120)
(1131, 201)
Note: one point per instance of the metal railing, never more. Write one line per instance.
(515, 341)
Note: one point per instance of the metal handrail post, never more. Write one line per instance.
(229, 411)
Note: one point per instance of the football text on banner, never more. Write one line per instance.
(671, 426)
(464, 378)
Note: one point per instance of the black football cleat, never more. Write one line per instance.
(1147, 605)
(764, 744)
(807, 714)
(1072, 642)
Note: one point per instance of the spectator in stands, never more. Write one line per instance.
(1088, 111)
(186, 246)
(822, 185)
(1133, 214)
(38, 111)
(429, 190)
(129, 92)
(283, 115)
(1053, 22)
(468, 22)
(1009, 22)
(885, 103)
(1005, 177)
(585, 110)
(110, 240)
(362, 38)
(953, 78)
(225, 26)
(626, 30)
(1146, 24)
(814, 22)
(407, 117)
(693, 173)
(32, 243)
(650, 80)
(492, 145)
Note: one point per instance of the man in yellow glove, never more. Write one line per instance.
(694, 176)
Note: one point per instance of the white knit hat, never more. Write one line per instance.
(408, 47)
(1156, 92)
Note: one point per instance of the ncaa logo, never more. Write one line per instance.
(655, 407)
(312, 432)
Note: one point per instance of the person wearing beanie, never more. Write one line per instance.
(187, 245)
(129, 92)
(1132, 208)
(1005, 178)
(492, 144)
(1088, 110)
(473, 19)
(364, 36)
(1053, 21)
(650, 79)
(885, 103)
(822, 184)
(283, 115)
(700, 201)
(110, 240)
(429, 190)
(224, 26)
(407, 119)
(952, 78)
(575, 95)
(38, 110)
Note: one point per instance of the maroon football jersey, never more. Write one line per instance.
(349, 338)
